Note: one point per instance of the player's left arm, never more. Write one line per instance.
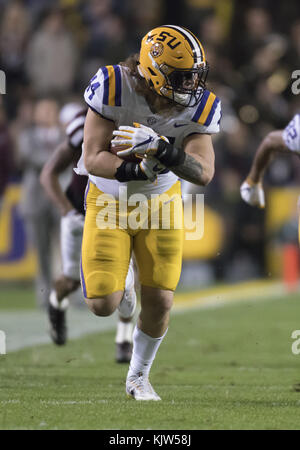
(285, 141)
(60, 160)
(271, 144)
(252, 191)
(199, 163)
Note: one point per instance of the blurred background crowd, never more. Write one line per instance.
(49, 50)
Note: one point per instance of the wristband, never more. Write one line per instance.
(129, 171)
(169, 155)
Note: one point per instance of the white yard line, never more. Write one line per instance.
(30, 328)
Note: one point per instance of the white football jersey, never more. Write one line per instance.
(291, 134)
(111, 93)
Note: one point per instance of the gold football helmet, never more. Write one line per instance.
(172, 61)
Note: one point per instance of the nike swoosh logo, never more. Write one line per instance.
(150, 139)
(177, 125)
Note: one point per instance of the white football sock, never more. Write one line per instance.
(124, 332)
(144, 351)
(63, 305)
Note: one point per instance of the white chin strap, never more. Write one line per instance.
(183, 99)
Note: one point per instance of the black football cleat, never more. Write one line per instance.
(58, 328)
(123, 352)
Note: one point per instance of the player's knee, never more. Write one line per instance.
(163, 306)
(103, 307)
(99, 284)
(158, 303)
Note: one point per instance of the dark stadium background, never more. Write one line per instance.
(51, 49)
(230, 359)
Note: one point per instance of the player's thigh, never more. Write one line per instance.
(158, 250)
(159, 257)
(105, 257)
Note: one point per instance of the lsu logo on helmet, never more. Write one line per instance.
(172, 61)
(157, 49)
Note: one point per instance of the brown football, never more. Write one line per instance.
(129, 158)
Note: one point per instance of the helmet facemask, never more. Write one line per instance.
(184, 86)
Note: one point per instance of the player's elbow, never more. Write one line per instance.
(45, 176)
(273, 140)
(89, 162)
(207, 175)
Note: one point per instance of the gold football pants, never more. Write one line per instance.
(113, 229)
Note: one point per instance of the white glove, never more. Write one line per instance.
(253, 193)
(142, 140)
(151, 167)
(73, 222)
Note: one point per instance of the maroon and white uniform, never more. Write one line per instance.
(72, 224)
(76, 189)
(71, 228)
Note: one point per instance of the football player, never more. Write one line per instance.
(284, 141)
(157, 108)
(71, 206)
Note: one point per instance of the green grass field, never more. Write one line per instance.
(226, 368)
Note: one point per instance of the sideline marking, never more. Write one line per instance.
(225, 294)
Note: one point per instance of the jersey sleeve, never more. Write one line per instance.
(207, 116)
(104, 92)
(291, 134)
(74, 132)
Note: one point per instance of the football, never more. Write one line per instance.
(129, 158)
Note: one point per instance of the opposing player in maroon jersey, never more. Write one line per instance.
(71, 207)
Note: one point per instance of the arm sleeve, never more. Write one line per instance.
(74, 132)
(291, 134)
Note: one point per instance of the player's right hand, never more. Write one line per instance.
(151, 167)
(139, 140)
(74, 221)
(253, 193)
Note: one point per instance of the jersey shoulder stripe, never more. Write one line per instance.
(112, 90)
(206, 109)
